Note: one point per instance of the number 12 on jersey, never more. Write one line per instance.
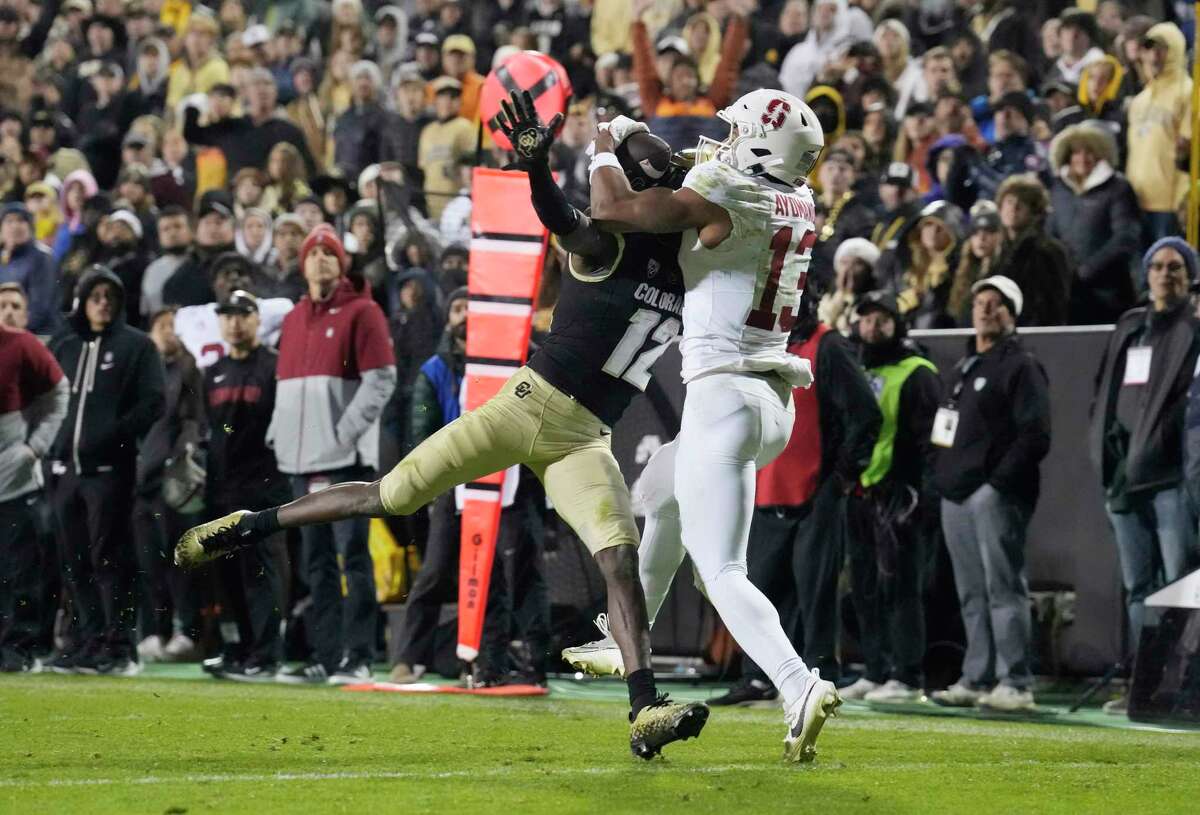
(765, 316)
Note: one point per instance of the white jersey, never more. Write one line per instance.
(199, 328)
(742, 296)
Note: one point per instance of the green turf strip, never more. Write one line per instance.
(599, 690)
(153, 744)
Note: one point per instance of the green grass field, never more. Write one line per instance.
(165, 745)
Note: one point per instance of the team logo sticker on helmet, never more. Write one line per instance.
(776, 114)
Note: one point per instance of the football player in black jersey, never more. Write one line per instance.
(555, 416)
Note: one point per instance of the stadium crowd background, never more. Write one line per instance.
(194, 149)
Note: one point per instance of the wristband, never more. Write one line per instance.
(605, 159)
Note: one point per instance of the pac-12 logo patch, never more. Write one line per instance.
(523, 389)
(652, 267)
(777, 113)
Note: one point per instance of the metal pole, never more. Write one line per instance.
(1193, 212)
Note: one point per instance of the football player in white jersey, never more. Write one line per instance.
(748, 220)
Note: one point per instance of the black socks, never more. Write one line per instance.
(642, 691)
(260, 523)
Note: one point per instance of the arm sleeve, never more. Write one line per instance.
(1030, 413)
(1123, 237)
(193, 131)
(46, 414)
(644, 70)
(851, 398)
(149, 402)
(377, 367)
(919, 400)
(575, 231)
(726, 77)
(43, 296)
(191, 408)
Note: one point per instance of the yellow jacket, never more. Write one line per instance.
(185, 81)
(1159, 117)
(176, 14)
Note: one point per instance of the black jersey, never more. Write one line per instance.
(240, 394)
(610, 327)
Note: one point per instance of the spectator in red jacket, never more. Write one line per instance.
(33, 403)
(336, 372)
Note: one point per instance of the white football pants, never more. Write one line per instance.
(697, 493)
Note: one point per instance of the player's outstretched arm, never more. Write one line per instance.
(531, 141)
(617, 208)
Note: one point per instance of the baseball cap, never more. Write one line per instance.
(135, 140)
(677, 44)
(899, 174)
(203, 20)
(16, 208)
(288, 219)
(459, 42)
(446, 84)
(427, 38)
(84, 6)
(216, 201)
(988, 219)
(240, 302)
(1009, 291)
(878, 300)
(1018, 100)
(919, 109)
(407, 73)
(39, 188)
(256, 35)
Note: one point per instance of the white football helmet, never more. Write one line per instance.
(770, 132)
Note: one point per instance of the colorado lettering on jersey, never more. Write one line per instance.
(792, 206)
(662, 300)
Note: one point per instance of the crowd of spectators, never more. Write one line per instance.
(198, 195)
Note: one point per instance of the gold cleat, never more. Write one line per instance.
(663, 722)
(207, 542)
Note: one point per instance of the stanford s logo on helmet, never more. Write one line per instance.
(777, 111)
(771, 132)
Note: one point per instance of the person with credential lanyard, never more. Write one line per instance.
(1136, 438)
(990, 436)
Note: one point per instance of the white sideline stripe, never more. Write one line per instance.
(364, 775)
(499, 772)
(482, 369)
(488, 496)
(501, 309)
(533, 248)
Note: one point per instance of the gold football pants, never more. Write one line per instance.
(533, 423)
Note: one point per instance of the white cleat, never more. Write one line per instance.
(1007, 699)
(895, 692)
(600, 657)
(806, 717)
(859, 689)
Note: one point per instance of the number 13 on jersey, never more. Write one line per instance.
(780, 307)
